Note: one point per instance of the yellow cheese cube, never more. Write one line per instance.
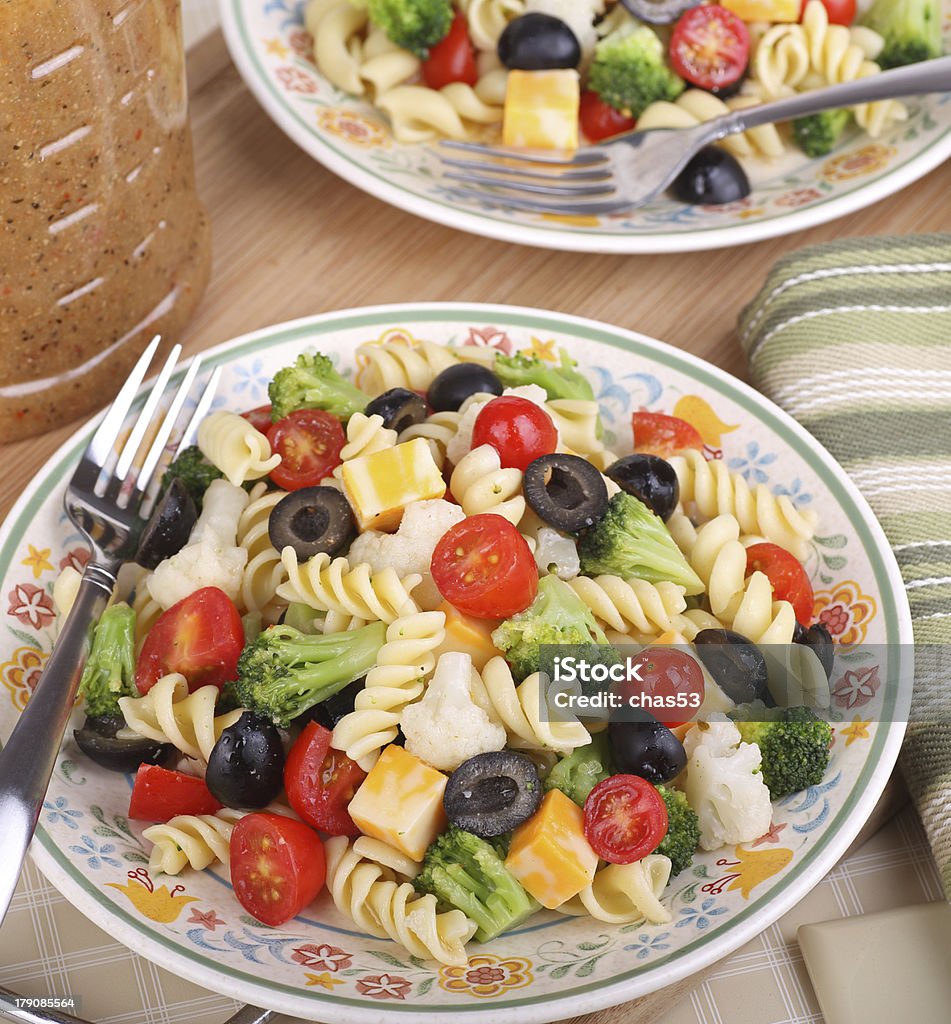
(541, 109)
(549, 853)
(764, 10)
(400, 802)
(468, 635)
(379, 486)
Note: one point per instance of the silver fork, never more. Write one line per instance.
(633, 169)
(104, 499)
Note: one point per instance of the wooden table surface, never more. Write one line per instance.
(291, 239)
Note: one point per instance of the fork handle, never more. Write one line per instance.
(912, 80)
(27, 760)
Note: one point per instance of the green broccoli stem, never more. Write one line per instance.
(313, 383)
(559, 381)
(110, 668)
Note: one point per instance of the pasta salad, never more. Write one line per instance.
(335, 669)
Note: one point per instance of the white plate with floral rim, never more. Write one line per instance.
(319, 965)
(272, 50)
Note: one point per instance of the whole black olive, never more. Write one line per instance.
(646, 748)
(97, 740)
(399, 407)
(712, 177)
(492, 793)
(312, 520)
(650, 478)
(329, 712)
(818, 637)
(169, 525)
(566, 491)
(735, 663)
(538, 42)
(246, 765)
(457, 383)
(659, 12)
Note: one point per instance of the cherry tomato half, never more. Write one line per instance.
(277, 866)
(670, 676)
(320, 782)
(201, 637)
(710, 47)
(309, 442)
(841, 12)
(625, 819)
(452, 59)
(484, 567)
(599, 120)
(656, 433)
(785, 572)
(519, 430)
(259, 418)
(159, 794)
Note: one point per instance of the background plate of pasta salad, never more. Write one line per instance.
(631, 929)
(359, 103)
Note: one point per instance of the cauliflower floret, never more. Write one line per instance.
(578, 15)
(557, 554)
(211, 557)
(447, 726)
(724, 785)
(461, 444)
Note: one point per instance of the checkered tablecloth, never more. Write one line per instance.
(48, 948)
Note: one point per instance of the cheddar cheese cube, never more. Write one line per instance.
(400, 802)
(468, 635)
(549, 853)
(379, 486)
(541, 109)
(764, 10)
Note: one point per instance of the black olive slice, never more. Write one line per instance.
(735, 663)
(647, 748)
(712, 177)
(538, 42)
(246, 765)
(649, 478)
(329, 712)
(659, 12)
(169, 525)
(457, 383)
(492, 793)
(818, 637)
(566, 491)
(97, 740)
(312, 520)
(399, 407)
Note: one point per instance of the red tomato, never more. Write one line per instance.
(599, 120)
(841, 12)
(277, 866)
(785, 572)
(309, 442)
(452, 59)
(519, 430)
(484, 567)
(259, 418)
(320, 782)
(625, 819)
(710, 47)
(202, 637)
(656, 433)
(669, 675)
(159, 794)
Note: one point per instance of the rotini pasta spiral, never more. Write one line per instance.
(365, 435)
(480, 484)
(714, 490)
(384, 64)
(147, 610)
(635, 604)
(232, 444)
(577, 421)
(168, 713)
(193, 840)
(625, 893)
(438, 430)
(487, 19)
(368, 893)
(336, 27)
(331, 585)
(65, 589)
(420, 114)
(395, 361)
(264, 571)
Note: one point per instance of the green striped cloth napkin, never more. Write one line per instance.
(853, 339)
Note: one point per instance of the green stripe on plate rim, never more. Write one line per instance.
(265, 78)
(309, 330)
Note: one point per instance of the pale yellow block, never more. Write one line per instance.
(541, 109)
(400, 802)
(380, 485)
(764, 10)
(467, 635)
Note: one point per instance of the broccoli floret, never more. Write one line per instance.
(683, 830)
(629, 70)
(194, 471)
(911, 30)
(416, 25)
(284, 672)
(816, 134)
(466, 872)
(556, 616)
(559, 381)
(313, 383)
(794, 748)
(631, 541)
(577, 774)
(110, 669)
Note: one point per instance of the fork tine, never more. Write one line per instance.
(605, 189)
(538, 206)
(204, 404)
(146, 416)
(584, 157)
(100, 447)
(595, 174)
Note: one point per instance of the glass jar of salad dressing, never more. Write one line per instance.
(103, 242)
